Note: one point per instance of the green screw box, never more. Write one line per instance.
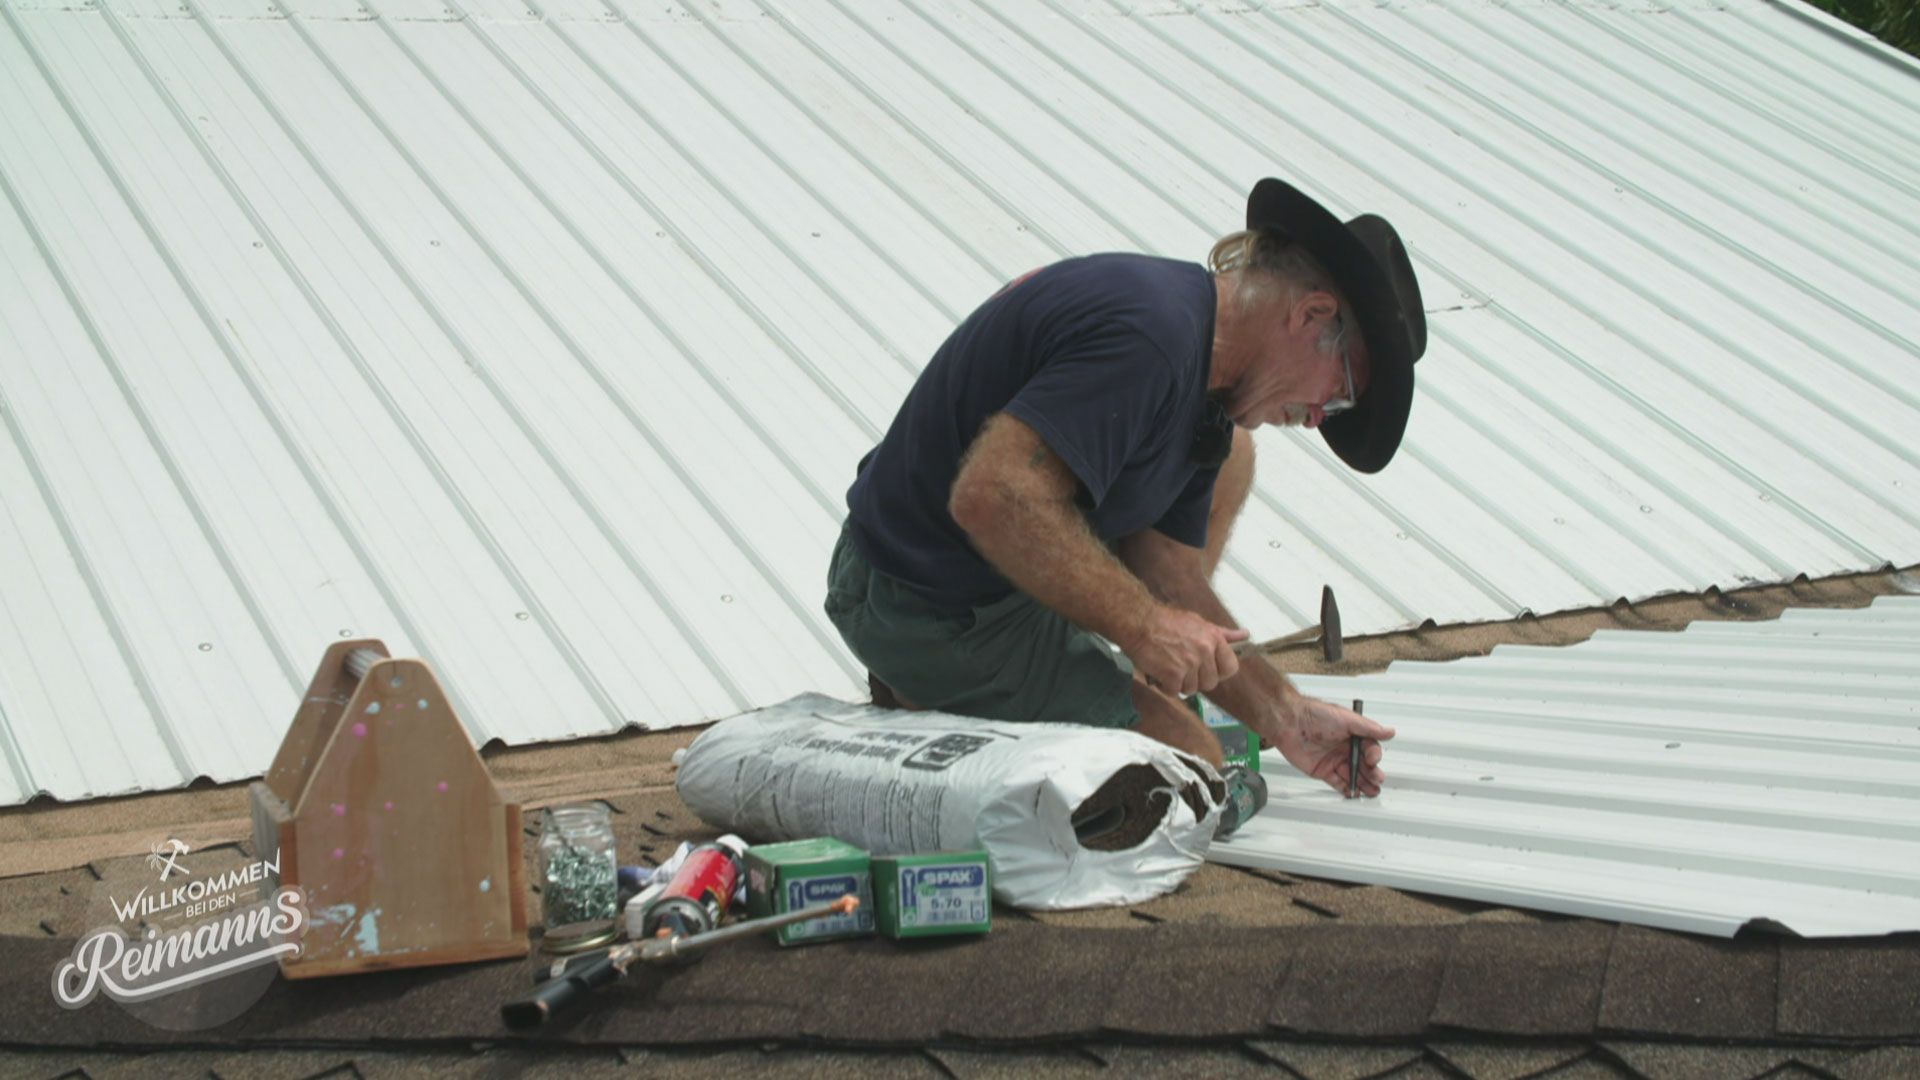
(807, 873)
(1238, 744)
(930, 895)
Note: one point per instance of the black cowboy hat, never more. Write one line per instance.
(1369, 264)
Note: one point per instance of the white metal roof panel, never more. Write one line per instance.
(1732, 773)
(540, 337)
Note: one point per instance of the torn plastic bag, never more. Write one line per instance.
(1070, 816)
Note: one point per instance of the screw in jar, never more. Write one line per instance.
(578, 867)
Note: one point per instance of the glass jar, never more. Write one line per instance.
(579, 874)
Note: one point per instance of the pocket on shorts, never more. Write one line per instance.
(986, 624)
(842, 599)
(848, 581)
(843, 609)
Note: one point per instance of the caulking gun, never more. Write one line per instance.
(573, 978)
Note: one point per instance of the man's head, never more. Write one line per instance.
(1319, 323)
(1285, 351)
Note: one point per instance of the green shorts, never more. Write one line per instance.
(1013, 659)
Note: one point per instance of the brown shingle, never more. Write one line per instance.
(1016, 1064)
(1662, 983)
(1591, 1067)
(1363, 981)
(1264, 907)
(1885, 1063)
(1185, 1063)
(1851, 989)
(1336, 1061)
(1525, 980)
(1376, 905)
(1049, 983)
(907, 992)
(1199, 981)
(1505, 1061)
(1684, 1061)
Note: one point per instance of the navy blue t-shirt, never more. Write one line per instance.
(1106, 357)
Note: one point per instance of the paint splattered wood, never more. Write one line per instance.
(386, 817)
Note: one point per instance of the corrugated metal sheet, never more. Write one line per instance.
(540, 337)
(1732, 773)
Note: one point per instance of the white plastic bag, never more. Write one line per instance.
(1070, 816)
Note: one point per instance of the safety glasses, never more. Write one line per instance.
(1345, 401)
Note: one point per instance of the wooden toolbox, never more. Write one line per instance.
(380, 810)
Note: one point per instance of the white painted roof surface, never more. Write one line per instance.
(1727, 774)
(541, 338)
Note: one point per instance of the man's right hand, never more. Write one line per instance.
(1183, 653)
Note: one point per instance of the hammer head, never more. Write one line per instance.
(1332, 647)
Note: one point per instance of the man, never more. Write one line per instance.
(1066, 471)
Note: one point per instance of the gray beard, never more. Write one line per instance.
(1295, 415)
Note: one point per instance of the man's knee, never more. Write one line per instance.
(1242, 443)
(1230, 490)
(1236, 474)
(886, 696)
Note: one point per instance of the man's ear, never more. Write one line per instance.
(1318, 306)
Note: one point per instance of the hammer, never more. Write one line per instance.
(1332, 646)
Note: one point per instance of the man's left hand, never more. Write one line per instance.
(1316, 744)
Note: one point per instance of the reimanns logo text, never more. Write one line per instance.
(229, 936)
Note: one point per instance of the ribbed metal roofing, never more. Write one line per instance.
(1732, 773)
(540, 337)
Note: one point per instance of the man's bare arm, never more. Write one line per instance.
(1311, 734)
(1260, 695)
(1015, 499)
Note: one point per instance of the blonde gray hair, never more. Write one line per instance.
(1264, 258)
